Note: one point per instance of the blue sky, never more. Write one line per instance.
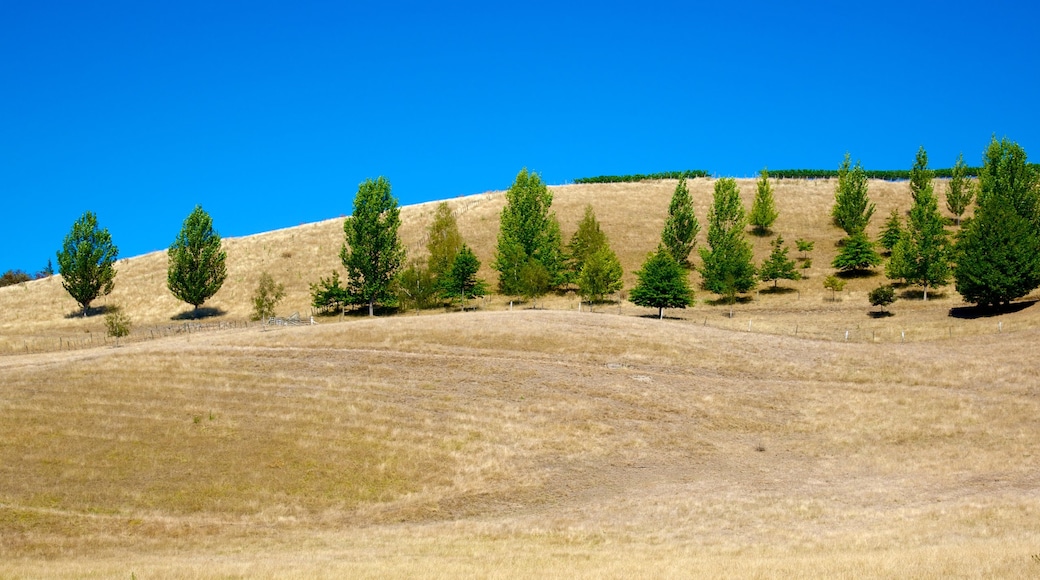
(269, 114)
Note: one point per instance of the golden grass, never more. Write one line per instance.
(520, 443)
(40, 316)
(524, 443)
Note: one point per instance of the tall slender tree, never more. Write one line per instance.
(763, 209)
(920, 175)
(372, 252)
(196, 260)
(728, 268)
(681, 227)
(528, 232)
(443, 240)
(852, 207)
(585, 242)
(960, 190)
(924, 250)
(86, 260)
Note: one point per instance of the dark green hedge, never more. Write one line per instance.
(690, 173)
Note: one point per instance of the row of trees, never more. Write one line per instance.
(993, 258)
(196, 261)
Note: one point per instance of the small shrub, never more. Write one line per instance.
(882, 296)
(268, 294)
(835, 285)
(117, 322)
(807, 263)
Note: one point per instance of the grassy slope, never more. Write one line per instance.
(520, 443)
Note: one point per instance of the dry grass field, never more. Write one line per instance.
(532, 442)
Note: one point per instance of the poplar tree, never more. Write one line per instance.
(372, 252)
(924, 249)
(586, 241)
(85, 261)
(600, 275)
(763, 209)
(960, 190)
(529, 239)
(852, 207)
(443, 240)
(728, 268)
(196, 260)
(681, 227)
(920, 176)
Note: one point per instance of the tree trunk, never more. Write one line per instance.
(660, 313)
(371, 307)
(926, 292)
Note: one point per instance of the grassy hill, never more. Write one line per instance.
(525, 442)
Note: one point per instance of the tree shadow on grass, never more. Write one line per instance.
(197, 313)
(855, 274)
(778, 290)
(92, 311)
(974, 312)
(919, 295)
(723, 301)
(880, 314)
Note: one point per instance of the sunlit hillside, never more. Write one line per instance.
(41, 316)
(799, 437)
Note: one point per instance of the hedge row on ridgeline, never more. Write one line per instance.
(689, 173)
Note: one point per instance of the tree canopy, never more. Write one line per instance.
(196, 262)
(662, 283)
(998, 252)
(763, 208)
(681, 226)
(86, 261)
(852, 207)
(528, 232)
(372, 252)
(728, 268)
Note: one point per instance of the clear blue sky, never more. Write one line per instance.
(269, 114)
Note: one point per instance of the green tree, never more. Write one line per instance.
(900, 261)
(960, 191)
(920, 176)
(534, 281)
(778, 266)
(600, 275)
(763, 209)
(681, 226)
(998, 252)
(415, 286)
(882, 296)
(892, 231)
(662, 283)
(925, 248)
(117, 322)
(268, 294)
(856, 254)
(443, 240)
(372, 252)
(804, 246)
(835, 285)
(528, 231)
(461, 282)
(586, 241)
(728, 268)
(196, 263)
(852, 207)
(85, 261)
(328, 294)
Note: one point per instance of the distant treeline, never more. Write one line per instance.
(885, 174)
(642, 176)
